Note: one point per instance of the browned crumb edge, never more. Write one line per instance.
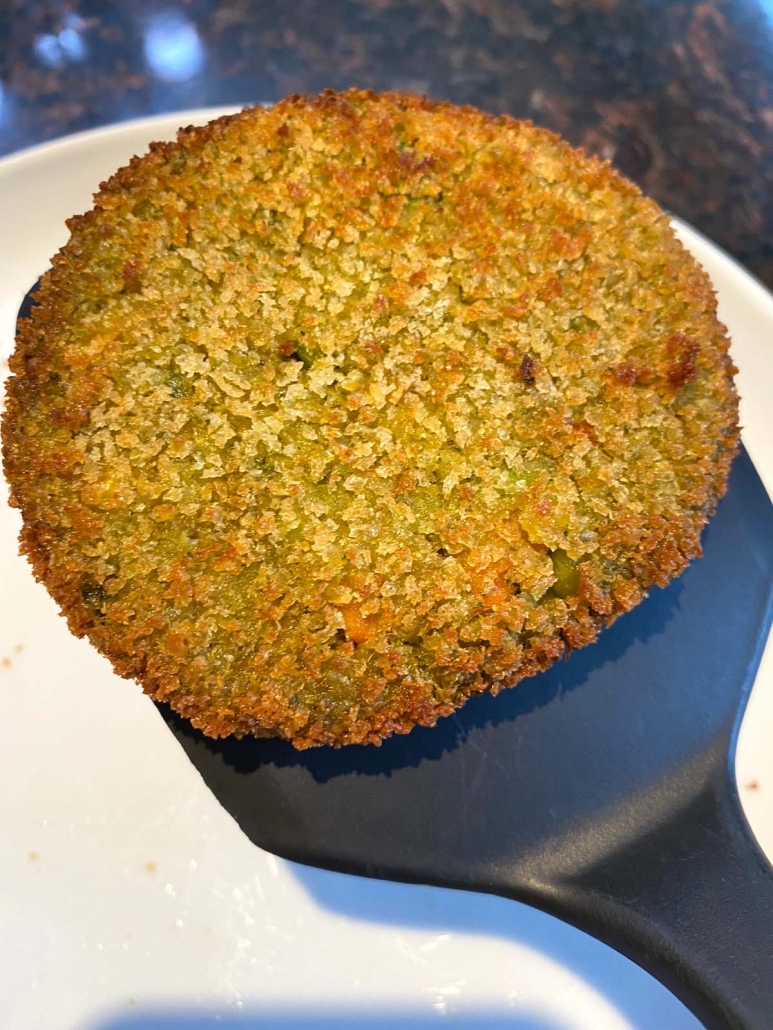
(655, 550)
(663, 552)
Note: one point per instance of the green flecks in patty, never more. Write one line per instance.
(567, 574)
(94, 597)
(178, 385)
(331, 400)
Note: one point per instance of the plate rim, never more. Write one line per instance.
(134, 122)
(165, 122)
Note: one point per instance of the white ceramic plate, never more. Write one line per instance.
(129, 897)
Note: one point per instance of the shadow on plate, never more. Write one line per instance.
(281, 1019)
(637, 996)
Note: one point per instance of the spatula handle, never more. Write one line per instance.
(692, 902)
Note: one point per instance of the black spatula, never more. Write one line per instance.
(600, 791)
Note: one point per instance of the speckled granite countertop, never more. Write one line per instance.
(679, 95)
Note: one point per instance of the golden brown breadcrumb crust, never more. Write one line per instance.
(334, 414)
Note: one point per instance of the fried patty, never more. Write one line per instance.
(335, 414)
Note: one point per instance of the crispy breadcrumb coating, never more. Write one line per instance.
(334, 414)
